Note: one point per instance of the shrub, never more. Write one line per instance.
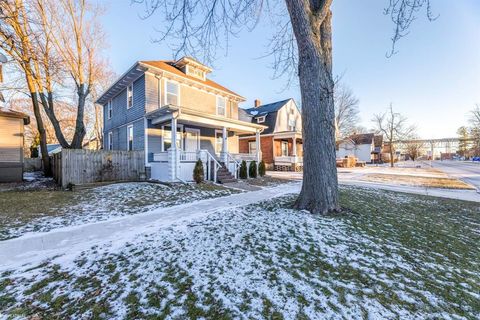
(198, 174)
(252, 170)
(243, 170)
(261, 168)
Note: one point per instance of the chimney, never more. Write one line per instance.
(258, 103)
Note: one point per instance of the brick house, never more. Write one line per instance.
(281, 141)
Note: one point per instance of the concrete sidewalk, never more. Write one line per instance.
(35, 247)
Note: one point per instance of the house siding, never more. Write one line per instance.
(122, 117)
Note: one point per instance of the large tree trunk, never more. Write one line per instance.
(79, 124)
(47, 170)
(312, 30)
(48, 106)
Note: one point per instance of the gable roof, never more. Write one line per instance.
(362, 138)
(269, 111)
(168, 65)
(140, 67)
(267, 108)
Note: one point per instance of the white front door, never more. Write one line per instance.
(192, 140)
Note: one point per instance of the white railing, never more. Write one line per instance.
(211, 165)
(160, 157)
(244, 156)
(187, 156)
(288, 159)
(234, 163)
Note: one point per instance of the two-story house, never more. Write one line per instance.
(281, 141)
(176, 115)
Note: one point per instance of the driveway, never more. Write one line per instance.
(466, 171)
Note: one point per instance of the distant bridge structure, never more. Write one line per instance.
(450, 145)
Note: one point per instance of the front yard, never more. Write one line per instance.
(44, 209)
(389, 255)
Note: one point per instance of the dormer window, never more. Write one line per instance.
(172, 94)
(261, 119)
(193, 68)
(221, 106)
(130, 96)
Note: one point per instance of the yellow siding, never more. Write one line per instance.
(11, 139)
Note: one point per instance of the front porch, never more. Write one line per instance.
(179, 136)
(288, 151)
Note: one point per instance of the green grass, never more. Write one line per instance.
(387, 255)
(24, 211)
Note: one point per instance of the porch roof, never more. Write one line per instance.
(287, 135)
(187, 115)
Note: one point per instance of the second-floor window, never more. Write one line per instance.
(221, 106)
(109, 109)
(130, 138)
(110, 141)
(172, 93)
(292, 124)
(130, 96)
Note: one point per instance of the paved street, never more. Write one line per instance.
(466, 171)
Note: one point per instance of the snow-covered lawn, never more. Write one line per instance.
(389, 255)
(24, 211)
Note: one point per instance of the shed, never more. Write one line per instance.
(11, 144)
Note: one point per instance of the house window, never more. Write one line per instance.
(291, 125)
(130, 96)
(172, 93)
(221, 106)
(130, 138)
(110, 141)
(109, 109)
(284, 148)
(261, 119)
(167, 137)
(252, 147)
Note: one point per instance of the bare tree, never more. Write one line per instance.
(393, 126)
(199, 27)
(475, 129)
(16, 40)
(414, 148)
(346, 111)
(62, 40)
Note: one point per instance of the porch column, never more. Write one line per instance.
(173, 158)
(223, 154)
(294, 151)
(258, 147)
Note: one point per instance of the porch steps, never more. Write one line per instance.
(225, 176)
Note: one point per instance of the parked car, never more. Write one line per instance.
(476, 159)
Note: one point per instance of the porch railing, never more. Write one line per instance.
(288, 159)
(232, 165)
(244, 156)
(188, 156)
(211, 165)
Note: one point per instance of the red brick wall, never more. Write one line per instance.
(266, 145)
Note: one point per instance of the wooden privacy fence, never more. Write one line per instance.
(75, 166)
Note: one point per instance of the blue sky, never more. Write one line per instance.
(434, 79)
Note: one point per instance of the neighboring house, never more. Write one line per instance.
(52, 148)
(11, 144)
(361, 146)
(281, 142)
(378, 151)
(176, 115)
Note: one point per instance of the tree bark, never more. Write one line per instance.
(79, 124)
(312, 29)
(47, 170)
